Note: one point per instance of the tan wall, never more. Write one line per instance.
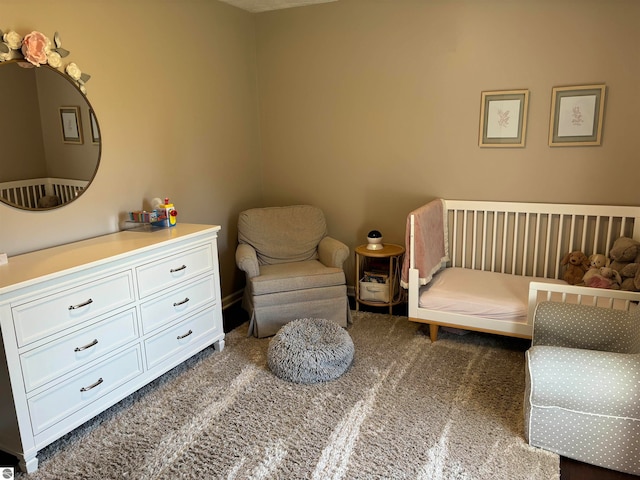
(173, 88)
(369, 108)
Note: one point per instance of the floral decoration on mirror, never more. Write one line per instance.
(37, 49)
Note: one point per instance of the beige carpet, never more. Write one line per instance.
(406, 408)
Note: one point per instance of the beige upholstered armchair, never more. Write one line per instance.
(582, 396)
(293, 269)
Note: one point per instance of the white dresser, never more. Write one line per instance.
(88, 323)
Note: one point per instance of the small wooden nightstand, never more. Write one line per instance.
(379, 294)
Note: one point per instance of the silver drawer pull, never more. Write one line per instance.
(80, 305)
(174, 270)
(180, 337)
(177, 304)
(89, 345)
(93, 385)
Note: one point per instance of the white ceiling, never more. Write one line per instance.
(265, 5)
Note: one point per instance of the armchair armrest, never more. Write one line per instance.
(601, 383)
(586, 326)
(332, 252)
(247, 260)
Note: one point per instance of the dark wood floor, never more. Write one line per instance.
(574, 470)
(569, 469)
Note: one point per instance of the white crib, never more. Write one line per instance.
(27, 193)
(511, 253)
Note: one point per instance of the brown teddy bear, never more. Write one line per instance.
(625, 256)
(577, 264)
(630, 274)
(636, 279)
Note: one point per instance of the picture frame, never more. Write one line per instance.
(71, 125)
(95, 132)
(503, 118)
(577, 115)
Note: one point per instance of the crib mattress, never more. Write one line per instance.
(492, 295)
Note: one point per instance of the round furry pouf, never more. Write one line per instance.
(310, 350)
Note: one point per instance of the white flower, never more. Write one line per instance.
(6, 56)
(13, 39)
(73, 71)
(54, 59)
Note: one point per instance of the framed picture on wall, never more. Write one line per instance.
(71, 126)
(577, 114)
(503, 118)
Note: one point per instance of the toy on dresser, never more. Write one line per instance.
(167, 213)
(162, 215)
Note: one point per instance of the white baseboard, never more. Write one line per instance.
(232, 299)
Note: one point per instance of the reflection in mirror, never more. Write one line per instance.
(50, 138)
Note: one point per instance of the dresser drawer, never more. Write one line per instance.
(51, 314)
(49, 361)
(177, 301)
(57, 403)
(181, 336)
(177, 267)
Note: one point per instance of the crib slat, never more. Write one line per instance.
(515, 242)
(559, 254)
(548, 245)
(484, 240)
(464, 238)
(623, 228)
(609, 233)
(494, 241)
(536, 246)
(505, 228)
(474, 235)
(596, 237)
(454, 255)
(525, 248)
(572, 231)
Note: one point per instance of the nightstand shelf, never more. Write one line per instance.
(378, 276)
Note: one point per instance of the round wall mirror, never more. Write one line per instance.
(50, 137)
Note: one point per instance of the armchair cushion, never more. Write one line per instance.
(287, 277)
(588, 381)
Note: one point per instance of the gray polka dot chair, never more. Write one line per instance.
(582, 397)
